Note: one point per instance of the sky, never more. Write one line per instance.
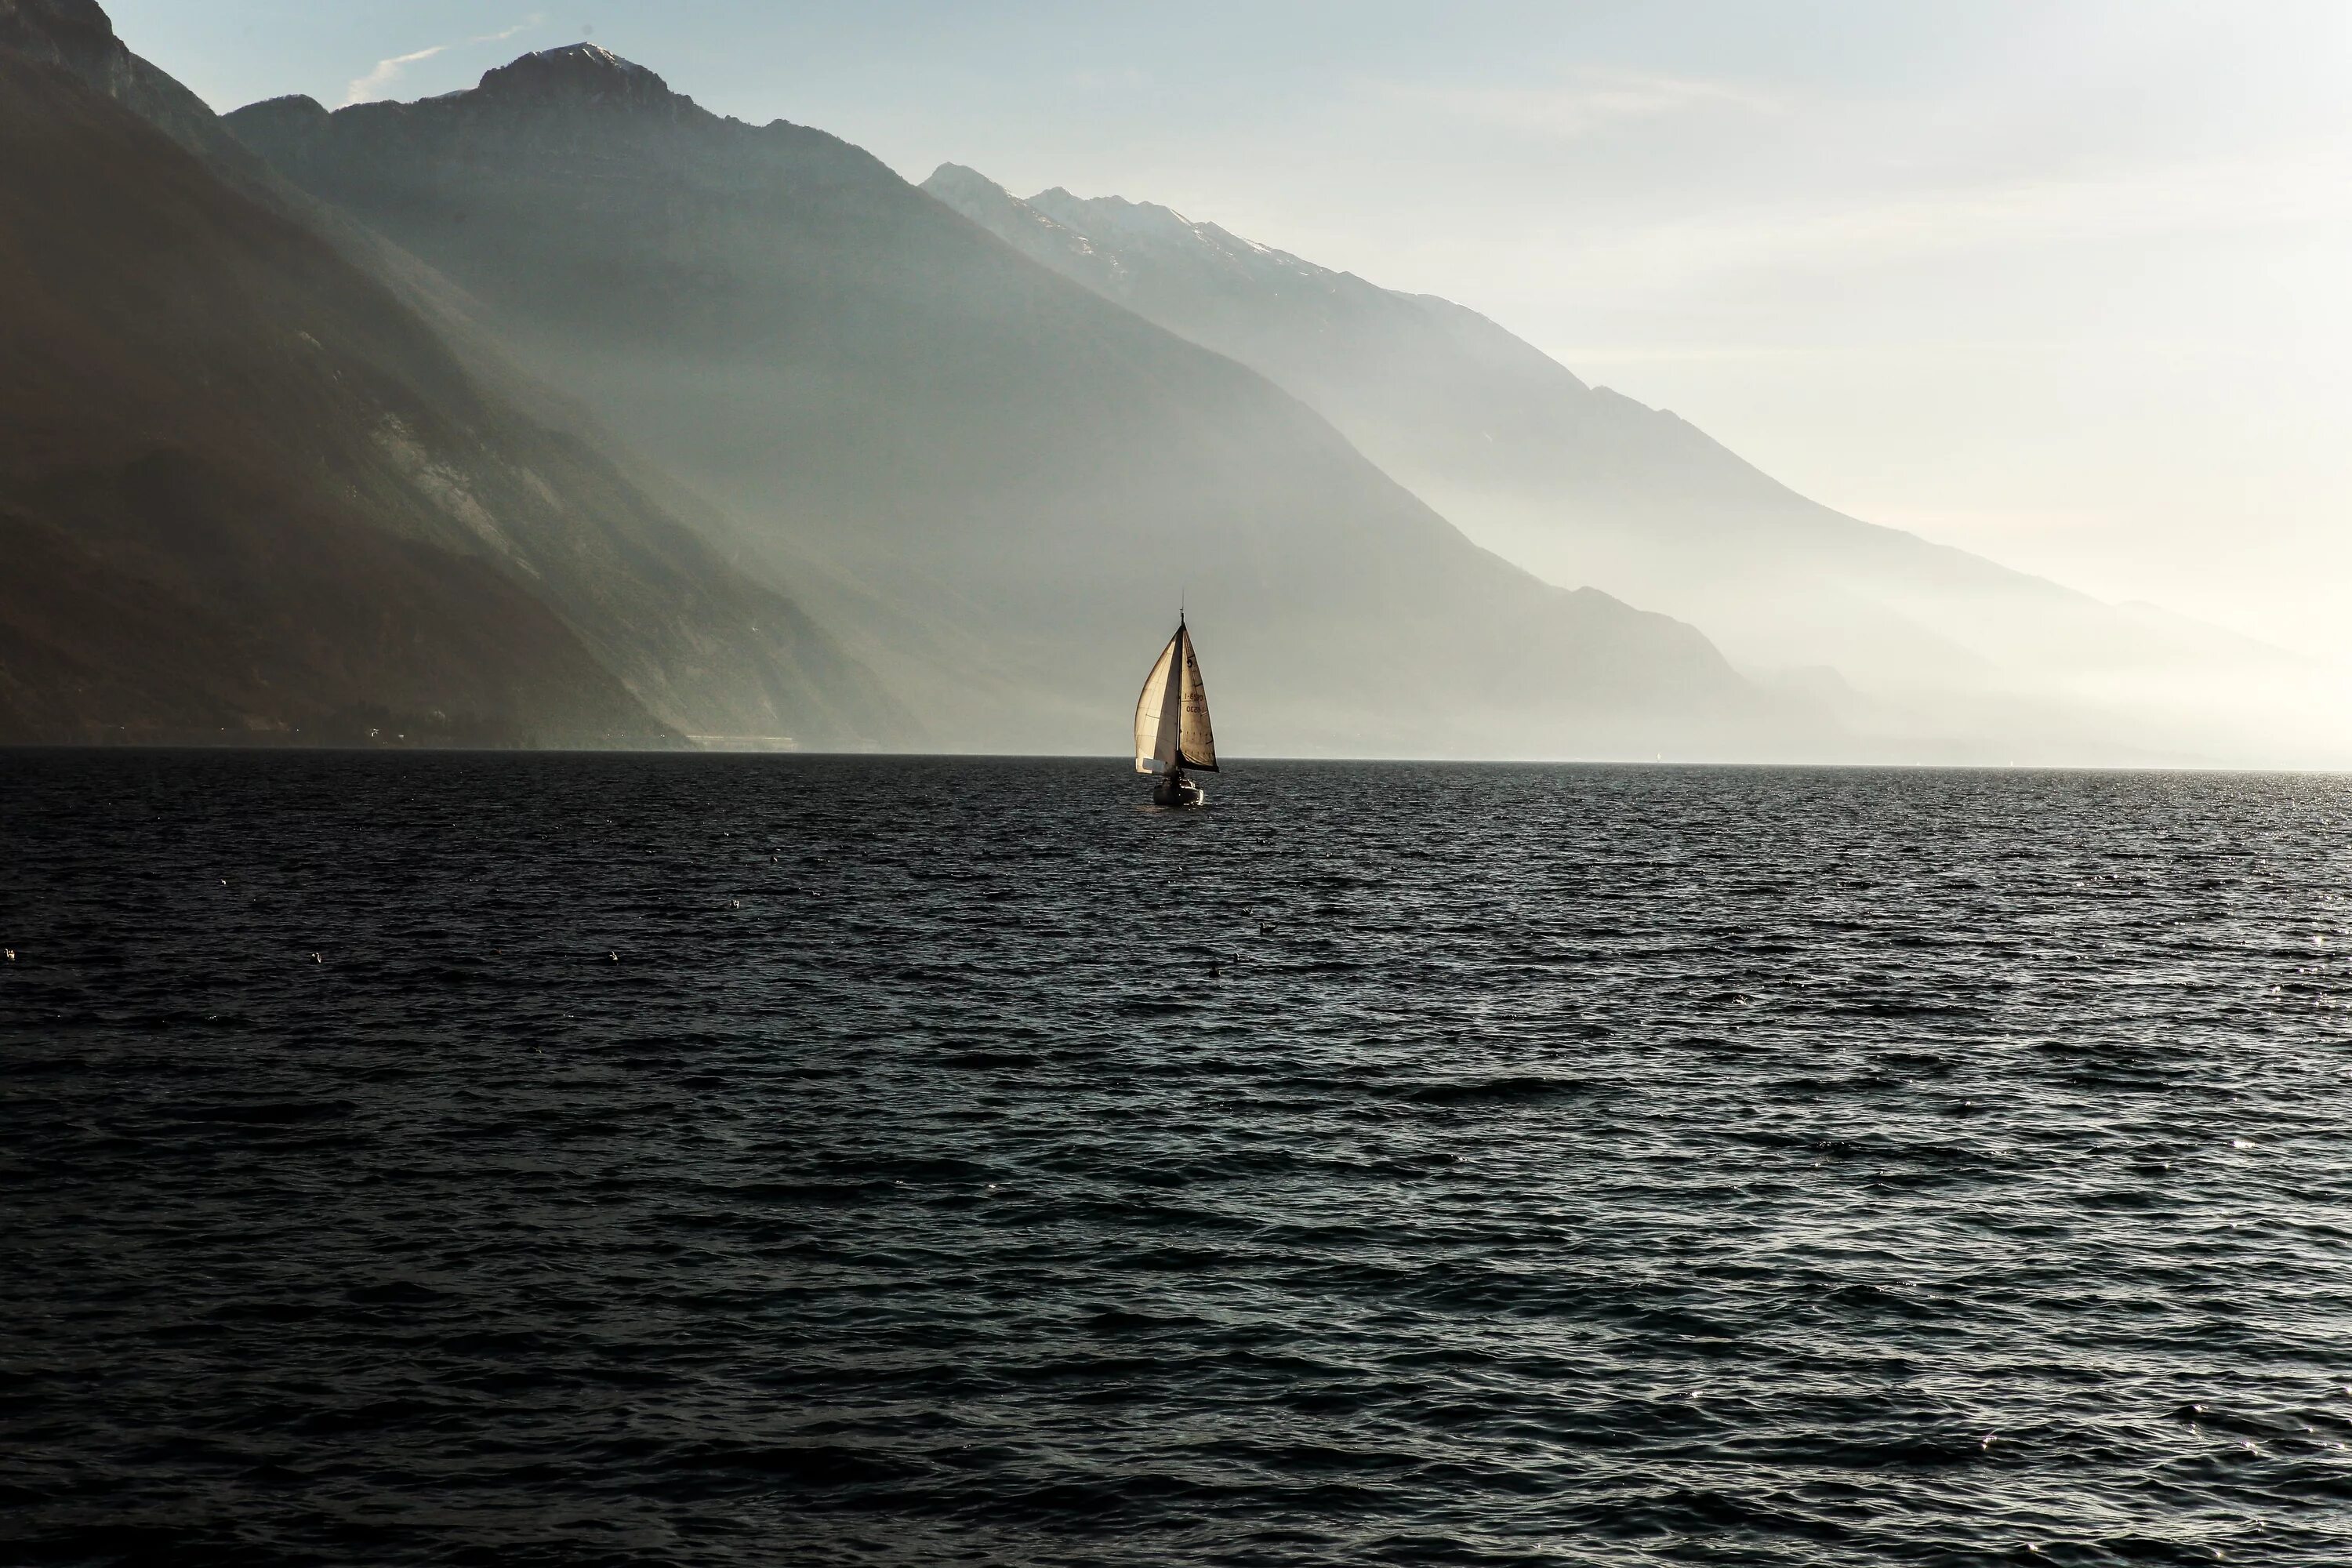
(2061, 281)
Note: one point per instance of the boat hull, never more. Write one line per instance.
(1176, 790)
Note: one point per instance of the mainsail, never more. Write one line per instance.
(1171, 717)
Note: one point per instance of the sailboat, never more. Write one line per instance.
(1171, 725)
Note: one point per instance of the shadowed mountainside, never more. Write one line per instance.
(248, 491)
(1006, 480)
(1582, 485)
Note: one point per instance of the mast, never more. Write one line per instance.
(1176, 684)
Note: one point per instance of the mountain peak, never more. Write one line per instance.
(73, 33)
(578, 73)
(950, 179)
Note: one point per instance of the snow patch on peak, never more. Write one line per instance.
(1006, 215)
(1106, 215)
(583, 72)
(1113, 221)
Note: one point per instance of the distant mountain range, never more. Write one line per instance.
(838, 460)
(1008, 481)
(1582, 485)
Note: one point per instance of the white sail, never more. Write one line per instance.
(1171, 717)
(1195, 744)
(1159, 712)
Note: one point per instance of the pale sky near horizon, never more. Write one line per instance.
(2062, 282)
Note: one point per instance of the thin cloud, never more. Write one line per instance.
(366, 89)
(1585, 102)
(386, 73)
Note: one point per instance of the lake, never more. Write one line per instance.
(536, 1158)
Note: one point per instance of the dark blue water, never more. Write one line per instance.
(522, 1160)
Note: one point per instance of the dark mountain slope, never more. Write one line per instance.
(1582, 485)
(77, 37)
(1010, 480)
(253, 486)
(171, 576)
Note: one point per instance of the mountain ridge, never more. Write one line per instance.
(251, 345)
(171, 580)
(1580, 484)
(861, 379)
(962, 439)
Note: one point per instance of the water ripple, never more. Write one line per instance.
(424, 1160)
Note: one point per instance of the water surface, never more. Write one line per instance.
(503, 1159)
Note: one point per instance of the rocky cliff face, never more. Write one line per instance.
(1007, 479)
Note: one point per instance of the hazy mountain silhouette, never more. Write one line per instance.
(247, 489)
(1585, 486)
(1006, 480)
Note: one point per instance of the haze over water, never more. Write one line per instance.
(682, 1159)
